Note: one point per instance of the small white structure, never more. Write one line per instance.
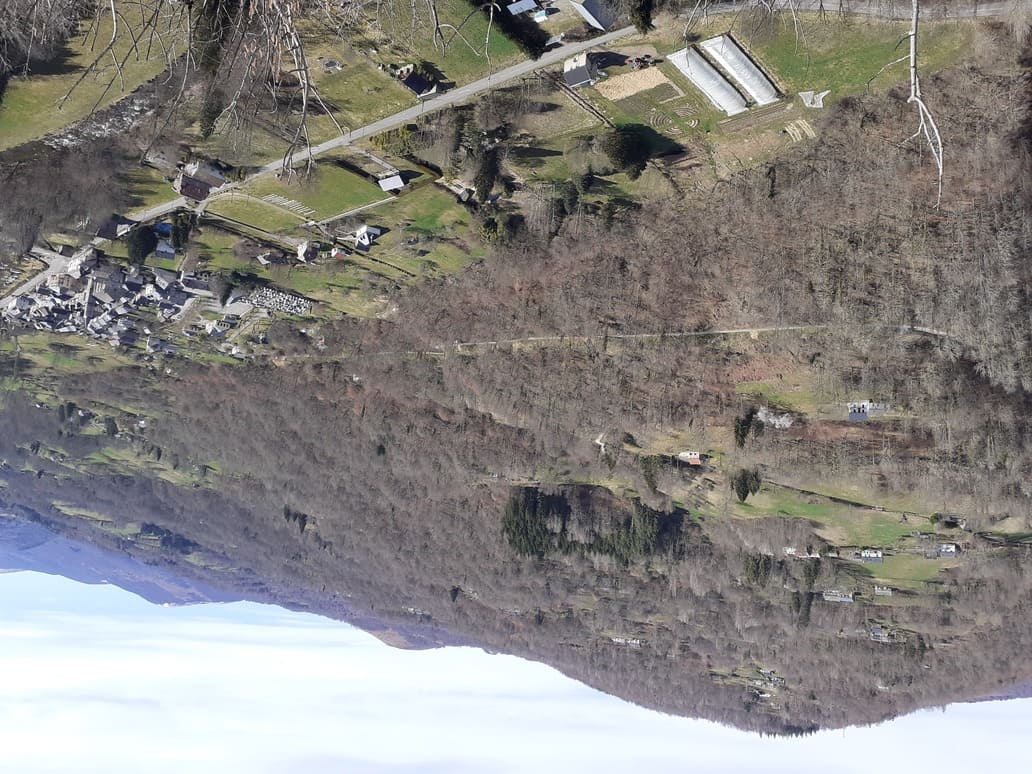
(302, 252)
(882, 591)
(391, 183)
(521, 6)
(812, 99)
(708, 80)
(725, 51)
(948, 549)
(365, 236)
(691, 457)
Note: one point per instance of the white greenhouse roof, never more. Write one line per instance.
(708, 80)
(726, 52)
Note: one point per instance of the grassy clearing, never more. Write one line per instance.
(215, 249)
(147, 187)
(842, 524)
(28, 108)
(429, 235)
(909, 567)
(330, 191)
(255, 212)
(794, 392)
(460, 63)
(65, 355)
(428, 211)
(843, 55)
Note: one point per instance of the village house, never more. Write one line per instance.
(206, 172)
(580, 71)
(882, 591)
(391, 183)
(870, 556)
(947, 550)
(164, 251)
(416, 82)
(861, 411)
(115, 227)
(365, 236)
(191, 187)
(597, 13)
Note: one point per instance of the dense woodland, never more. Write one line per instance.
(434, 493)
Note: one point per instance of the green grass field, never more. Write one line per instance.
(255, 212)
(908, 567)
(843, 525)
(147, 187)
(29, 106)
(330, 191)
(460, 62)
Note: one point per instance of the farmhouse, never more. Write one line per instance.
(206, 172)
(597, 13)
(416, 82)
(580, 71)
(191, 187)
(114, 227)
(691, 457)
(725, 51)
(707, 79)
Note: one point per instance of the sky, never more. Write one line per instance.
(94, 679)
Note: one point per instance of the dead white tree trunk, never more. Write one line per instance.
(927, 126)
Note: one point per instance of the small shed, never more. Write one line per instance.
(691, 457)
(391, 183)
(521, 6)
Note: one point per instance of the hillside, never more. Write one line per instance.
(495, 459)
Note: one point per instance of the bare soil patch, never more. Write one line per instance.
(629, 84)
